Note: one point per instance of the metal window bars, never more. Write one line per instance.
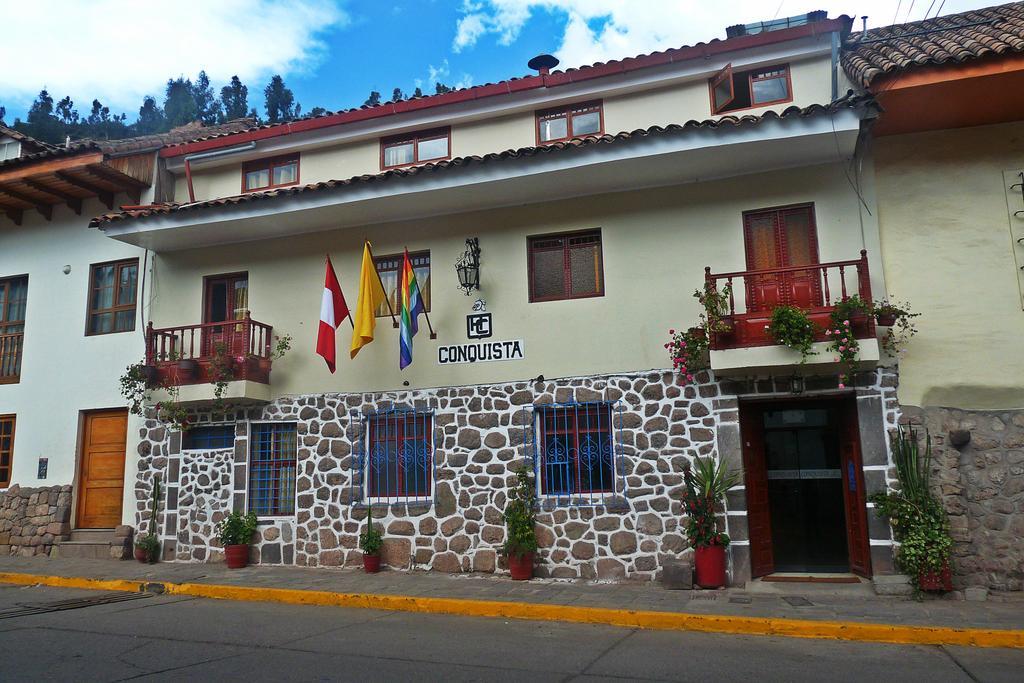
(272, 466)
(393, 453)
(575, 449)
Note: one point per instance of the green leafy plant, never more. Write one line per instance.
(918, 520)
(842, 341)
(283, 344)
(688, 352)
(896, 337)
(705, 486)
(715, 303)
(371, 540)
(150, 545)
(791, 327)
(222, 371)
(236, 528)
(521, 517)
(171, 412)
(135, 387)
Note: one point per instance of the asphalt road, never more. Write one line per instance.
(51, 634)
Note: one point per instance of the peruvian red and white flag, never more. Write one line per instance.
(333, 310)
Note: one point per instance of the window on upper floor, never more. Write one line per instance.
(265, 174)
(415, 148)
(10, 150)
(6, 449)
(112, 294)
(734, 90)
(566, 266)
(389, 266)
(272, 461)
(13, 297)
(570, 121)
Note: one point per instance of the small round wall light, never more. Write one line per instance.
(67, 270)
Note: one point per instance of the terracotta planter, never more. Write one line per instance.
(886, 319)
(709, 566)
(236, 556)
(521, 567)
(142, 555)
(937, 582)
(698, 332)
(371, 563)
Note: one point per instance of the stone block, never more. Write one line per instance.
(396, 552)
(892, 584)
(976, 594)
(677, 575)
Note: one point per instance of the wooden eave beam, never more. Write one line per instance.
(53, 166)
(105, 196)
(74, 202)
(45, 209)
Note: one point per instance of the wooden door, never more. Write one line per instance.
(782, 238)
(755, 479)
(101, 475)
(854, 497)
(226, 298)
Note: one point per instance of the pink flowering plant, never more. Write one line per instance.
(688, 352)
(842, 342)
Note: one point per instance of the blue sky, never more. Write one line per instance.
(333, 52)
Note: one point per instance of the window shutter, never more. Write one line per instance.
(722, 93)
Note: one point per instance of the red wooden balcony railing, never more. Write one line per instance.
(814, 288)
(11, 346)
(191, 354)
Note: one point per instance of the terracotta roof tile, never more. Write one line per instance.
(952, 38)
(850, 101)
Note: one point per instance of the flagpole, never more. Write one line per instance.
(433, 335)
(327, 261)
(387, 300)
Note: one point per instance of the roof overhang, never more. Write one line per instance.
(687, 154)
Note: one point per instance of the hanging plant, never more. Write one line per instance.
(899, 319)
(688, 352)
(842, 342)
(791, 327)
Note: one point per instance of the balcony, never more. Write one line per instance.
(195, 357)
(815, 289)
(11, 347)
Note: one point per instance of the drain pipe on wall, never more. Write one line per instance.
(210, 155)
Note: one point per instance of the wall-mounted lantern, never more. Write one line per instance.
(468, 267)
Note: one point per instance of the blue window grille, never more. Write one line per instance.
(394, 456)
(272, 463)
(576, 448)
(208, 437)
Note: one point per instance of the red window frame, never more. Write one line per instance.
(269, 164)
(759, 75)
(115, 308)
(566, 247)
(777, 215)
(415, 138)
(749, 76)
(402, 427)
(7, 427)
(271, 465)
(570, 112)
(566, 422)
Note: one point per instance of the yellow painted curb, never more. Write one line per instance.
(665, 621)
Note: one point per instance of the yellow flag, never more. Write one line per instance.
(371, 296)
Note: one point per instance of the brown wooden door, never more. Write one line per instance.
(755, 479)
(101, 476)
(854, 497)
(782, 238)
(226, 298)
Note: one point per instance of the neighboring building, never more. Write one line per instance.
(598, 195)
(949, 171)
(70, 322)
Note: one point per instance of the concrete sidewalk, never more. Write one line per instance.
(729, 610)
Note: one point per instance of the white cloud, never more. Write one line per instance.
(120, 50)
(599, 30)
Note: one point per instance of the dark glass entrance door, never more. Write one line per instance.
(805, 489)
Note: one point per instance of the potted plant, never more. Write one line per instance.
(899, 320)
(235, 531)
(918, 520)
(848, 313)
(688, 352)
(705, 486)
(147, 548)
(520, 547)
(717, 317)
(370, 542)
(791, 327)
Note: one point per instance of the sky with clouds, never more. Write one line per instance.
(333, 52)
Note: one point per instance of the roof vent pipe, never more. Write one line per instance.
(543, 64)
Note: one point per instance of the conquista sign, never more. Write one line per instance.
(480, 352)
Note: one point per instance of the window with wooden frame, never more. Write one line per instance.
(272, 464)
(266, 174)
(6, 449)
(779, 239)
(576, 449)
(567, 266)
(112, 293)
(399, 459)
(734, 90)
(13, 299)
(571, 121)
(389, 268)
(415, 148)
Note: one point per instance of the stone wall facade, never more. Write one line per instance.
(978, 468)
(481, 435)
(32, 520)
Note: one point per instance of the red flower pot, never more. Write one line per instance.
(938, 582)
(237, 556)
(141, 555)
(521, 567)
(709, 563)
(371, 563)
(886, 319)
(698, 332)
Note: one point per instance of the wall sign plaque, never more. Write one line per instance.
(480, 352)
